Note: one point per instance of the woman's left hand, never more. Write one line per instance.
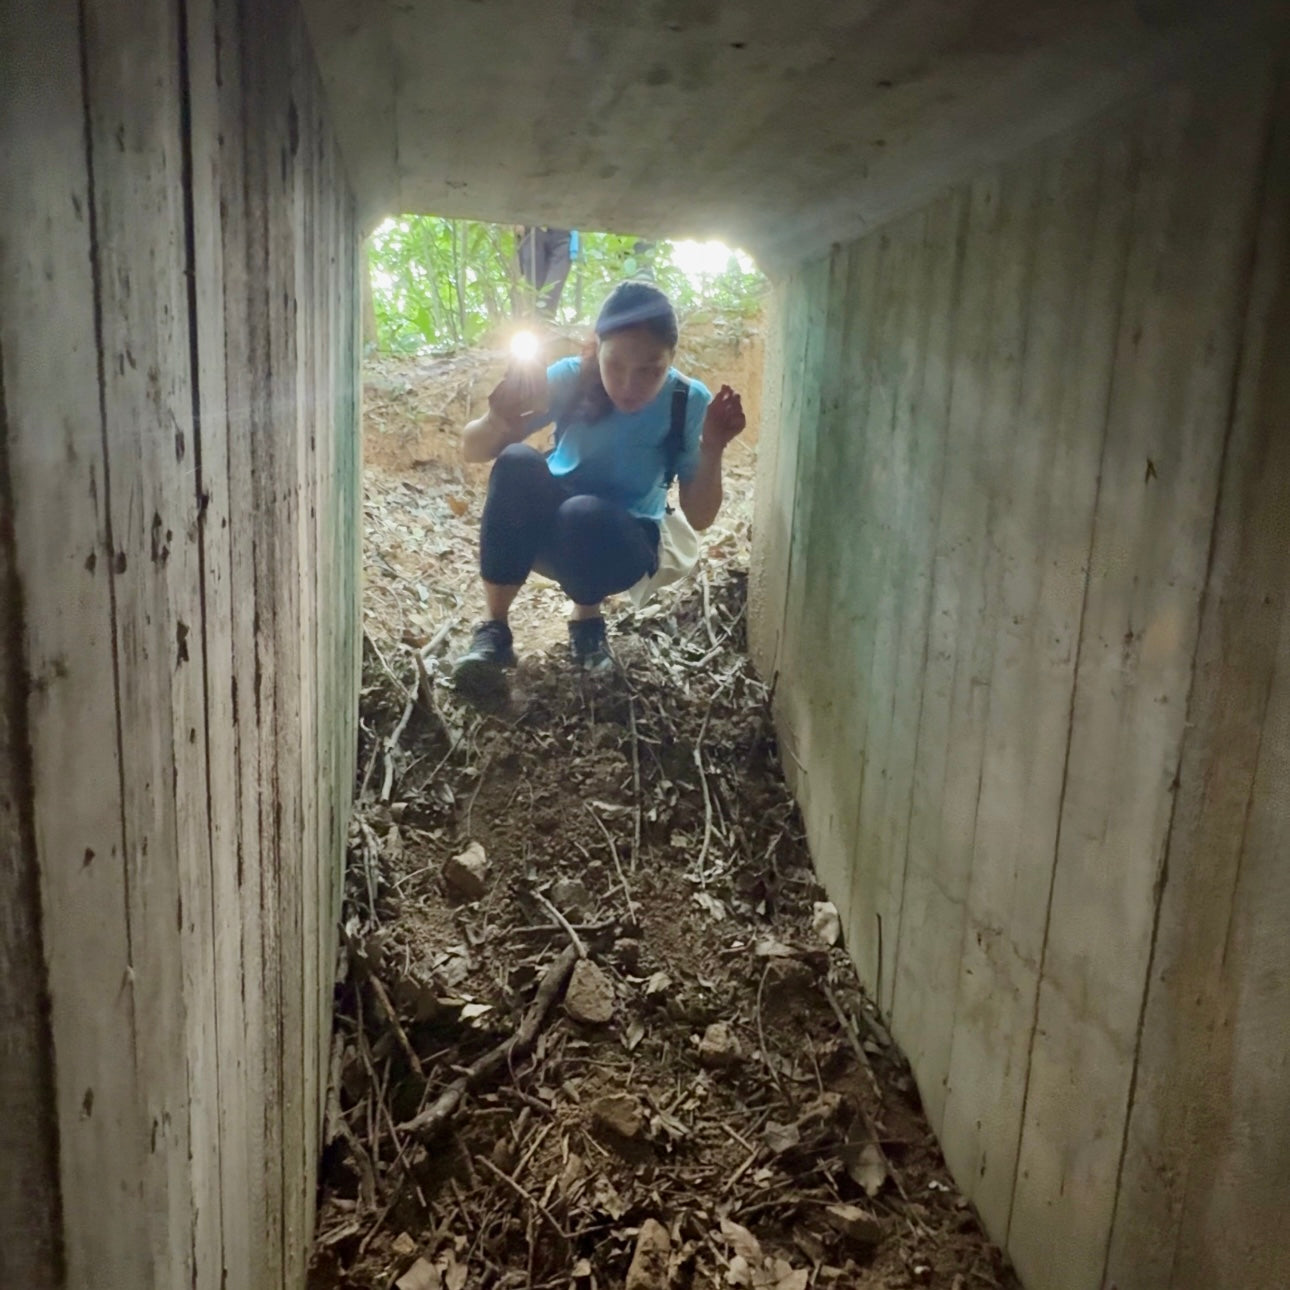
(724, 419)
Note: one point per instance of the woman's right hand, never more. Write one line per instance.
(519, 393)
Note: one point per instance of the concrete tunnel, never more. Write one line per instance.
(1020, 568)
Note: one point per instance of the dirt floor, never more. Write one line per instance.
(595, 1027)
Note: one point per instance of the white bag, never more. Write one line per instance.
(678, 553)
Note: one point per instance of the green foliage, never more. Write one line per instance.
(441, 285)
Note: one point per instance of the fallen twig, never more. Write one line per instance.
(532, 1201)
(385, 667)
(392, 746)
(370, 849)
(870, 1128)
(564, 922)
(431, 648)
(851, 1034)
(432, 1120)
(333, 1117)
(707, 609)
(400, 1034)
(618, 864)
(479, 783)
(707, 794)
(739, 1173)
(707, 817)
(761, 1036)
(636, 783)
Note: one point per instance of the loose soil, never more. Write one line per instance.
(713, 1101)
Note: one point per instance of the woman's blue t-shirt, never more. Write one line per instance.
(622, 456)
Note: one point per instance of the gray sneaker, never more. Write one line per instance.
(589, 645)
(480, 670)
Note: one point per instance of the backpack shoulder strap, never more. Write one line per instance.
(674, 445)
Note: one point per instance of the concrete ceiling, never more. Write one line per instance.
(779, 126)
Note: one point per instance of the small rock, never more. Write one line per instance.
(788, 983)
(467, 874)
(416, 994)
(770, 947)
(572, 1175)
(856, 1224)
(719, 1048)
(867, 1166)
(780, 1138)
(504, 1155)
(620, 1113)
(826, 922)
(353, 1075)
(403, 1245)
(649, 1264)
(810, 1245)
(627, 954)
(590, 997)
(422, 1275)
(570, 897)
(828, 1108)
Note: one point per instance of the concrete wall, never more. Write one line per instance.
(1021, 568)
(178, 564)
(778, 127)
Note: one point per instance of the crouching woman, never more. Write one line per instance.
(589, 514)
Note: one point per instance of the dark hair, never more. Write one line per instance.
(629, 305)
(639, 304)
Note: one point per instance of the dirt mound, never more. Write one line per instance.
(414, 408)
(593, 1027)
(593, 1016)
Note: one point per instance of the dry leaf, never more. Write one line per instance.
(869, 1169)
(789, 1279)
(826, 922)
(454, 1273)
(744, 1242)
(607, 1198)
(855, 1224)
(750, 1267)
(781, 1137)
(711, 904)
(422, 1275)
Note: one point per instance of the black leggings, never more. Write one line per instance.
(591, 547)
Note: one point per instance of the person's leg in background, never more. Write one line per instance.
(530, 251)
(555, 269)
(519, 519)
(643, 254)
(597, 549)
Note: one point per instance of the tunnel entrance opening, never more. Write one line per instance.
(444, 300)
(595, 1020)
